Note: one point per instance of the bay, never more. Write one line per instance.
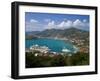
(54, 45)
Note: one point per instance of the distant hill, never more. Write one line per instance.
(66, 33)
(71, 32)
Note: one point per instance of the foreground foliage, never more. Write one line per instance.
(57, 60)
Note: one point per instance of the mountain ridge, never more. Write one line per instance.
(61, 33)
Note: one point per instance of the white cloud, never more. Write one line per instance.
(50, 25)
(65, 24)
(68, 24)
(34, 25)
(81, 24)
(61, 24)
(78, 23)
(33, 21)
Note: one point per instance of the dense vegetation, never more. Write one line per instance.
(33, 61)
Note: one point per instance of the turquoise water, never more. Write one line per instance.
(53, 44)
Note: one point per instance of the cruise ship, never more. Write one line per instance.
(43, 49)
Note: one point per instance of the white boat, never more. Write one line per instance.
(76, 49)
(65, 50)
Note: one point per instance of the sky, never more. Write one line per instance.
(41, 21)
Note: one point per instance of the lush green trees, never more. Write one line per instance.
(80, 59)
(57, 60)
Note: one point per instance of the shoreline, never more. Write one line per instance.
(63, 39)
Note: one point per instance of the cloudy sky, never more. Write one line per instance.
(42, 21)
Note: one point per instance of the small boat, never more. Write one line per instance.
(76, 49)
(65, 50)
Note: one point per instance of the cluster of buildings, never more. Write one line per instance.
(80, 43)
(77, 41)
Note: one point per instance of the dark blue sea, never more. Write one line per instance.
(54, 45)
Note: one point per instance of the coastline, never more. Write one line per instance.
(62, 39)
